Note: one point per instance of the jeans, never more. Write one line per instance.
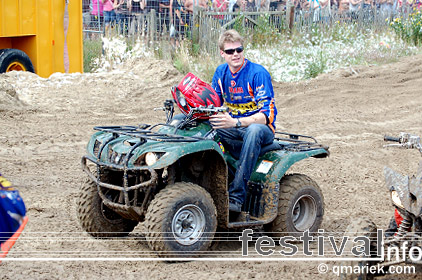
(244, 143)
(109, 17)
(122, 21)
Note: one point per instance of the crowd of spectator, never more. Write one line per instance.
(176, 13)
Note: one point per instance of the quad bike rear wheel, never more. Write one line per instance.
(181, 221)
(13, 59)
(365, 228)
(300, 207)
(96, 218)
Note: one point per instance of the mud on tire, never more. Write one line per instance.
(96, 218)
(300, 207)
(359, 227)
(181, 221)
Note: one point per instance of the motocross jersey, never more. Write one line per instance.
(247, 91)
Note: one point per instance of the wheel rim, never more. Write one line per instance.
(304, 213)
(15, 66)
(188, 224)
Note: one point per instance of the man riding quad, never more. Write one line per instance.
(203, 169)
(248, 93)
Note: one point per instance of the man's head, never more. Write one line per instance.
(231, 48)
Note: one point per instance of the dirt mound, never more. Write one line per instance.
(9, 99)
(350, 110)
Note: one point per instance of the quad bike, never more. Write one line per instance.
(174, 177)
(406, 226)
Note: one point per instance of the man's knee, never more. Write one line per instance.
(259, 133)
(256, 130)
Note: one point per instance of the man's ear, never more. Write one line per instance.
(222, 53)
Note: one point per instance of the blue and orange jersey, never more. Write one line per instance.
(12, 216)
(247, 91)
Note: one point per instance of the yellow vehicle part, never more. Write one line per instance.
(48, 31)
(15, 66)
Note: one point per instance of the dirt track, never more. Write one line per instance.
(44, 134)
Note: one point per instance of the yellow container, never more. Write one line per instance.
(48, 31)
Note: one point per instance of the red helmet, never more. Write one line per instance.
(191, 92)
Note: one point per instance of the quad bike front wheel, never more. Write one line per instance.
(365, 228)
(300, 207)
(96, 218)
(15, 60)
(181, 221)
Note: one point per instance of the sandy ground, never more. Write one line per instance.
(46, 124)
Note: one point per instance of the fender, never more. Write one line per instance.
(272, 166)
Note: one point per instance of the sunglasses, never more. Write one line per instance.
(231, 51)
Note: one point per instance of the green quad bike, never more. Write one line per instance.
(174, 177)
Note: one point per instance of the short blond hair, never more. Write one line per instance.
(230, 36)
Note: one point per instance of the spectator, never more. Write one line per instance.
(343, 7)
(109, 14)
(334, 5)
(122, 14)
(152, 5)
(250, 6)
(387, 8)
(86, 13)
(368, 13)
(354, 7)
(189, 4)
(263, 5)
(97, 14)
(232, 4)
(325, 10)
(165, 14)
(220, 6)
(368, 4)
(136, 9)
(176, 22)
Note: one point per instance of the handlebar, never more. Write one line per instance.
(210, 109)
(391, 138)
(405, 140)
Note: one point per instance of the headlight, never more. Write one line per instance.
(182, 101)
(396, 199)
(150, 158)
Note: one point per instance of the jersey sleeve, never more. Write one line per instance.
(263, 93)
(217, 83)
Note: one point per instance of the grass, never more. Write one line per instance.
(288, 57)
(92, 51)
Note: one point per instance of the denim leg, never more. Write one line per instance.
(254, 137)
(232, 140)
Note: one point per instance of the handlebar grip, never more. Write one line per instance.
(391, 138)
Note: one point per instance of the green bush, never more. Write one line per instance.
(410, 29)
(260, 31)
(316, 66)
(92, 50)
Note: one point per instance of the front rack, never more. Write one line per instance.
(144, 131)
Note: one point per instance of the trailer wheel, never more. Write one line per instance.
(15, 60)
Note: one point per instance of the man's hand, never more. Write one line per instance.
(226, 121)
(222, 121)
